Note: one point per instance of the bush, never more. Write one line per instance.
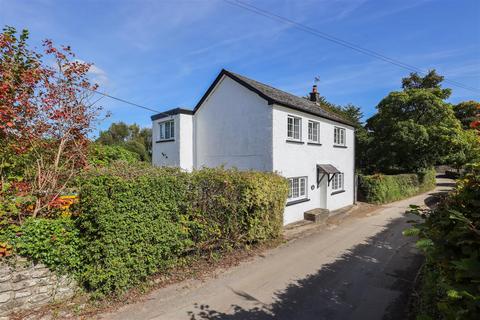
(135, 220)
(379, 188)
(138, 220)
(55, 242)
(131, 223)
(103, 155)
(450, 238)
(230, 208)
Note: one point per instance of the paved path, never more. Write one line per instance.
(362, 269)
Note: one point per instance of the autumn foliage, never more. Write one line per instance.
(46, 114)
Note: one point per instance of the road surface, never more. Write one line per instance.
(362, 269)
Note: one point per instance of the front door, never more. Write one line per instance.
(322, 189)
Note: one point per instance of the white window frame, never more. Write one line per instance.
(293, 124)
(338, 182)
(339, 136)
(297, 188)
(312, 131)
(167, 130)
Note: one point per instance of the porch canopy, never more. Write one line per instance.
(326, 170)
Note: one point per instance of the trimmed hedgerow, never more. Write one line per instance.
(55, 242)
(130, 219)
(379, 188)
(231, 208)
(133, 220)
(137, 220)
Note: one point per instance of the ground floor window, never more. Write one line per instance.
(297, 188)
(337, 182)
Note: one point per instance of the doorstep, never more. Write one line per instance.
(304, 227)
(317, 215)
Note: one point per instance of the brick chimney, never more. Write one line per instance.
(314, 96)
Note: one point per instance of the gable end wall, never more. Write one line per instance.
(233, 128)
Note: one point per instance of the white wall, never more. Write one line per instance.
(186, 141)
(165, 153)
(295, 160)
(233, 128)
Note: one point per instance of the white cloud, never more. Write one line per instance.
(99, 76)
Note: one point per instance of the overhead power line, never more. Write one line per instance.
(125, 101)
(339, 41)
(103, 94)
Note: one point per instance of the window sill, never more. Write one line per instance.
(337, 192)
(314, 143)
(291, 203)
(295, 141)
(339, 146)
(167, 140)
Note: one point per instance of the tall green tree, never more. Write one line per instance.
(131, 137)
(431, 81)
(416, 128)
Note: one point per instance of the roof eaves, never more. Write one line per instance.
(269, 99)
(339, 120)
(232, 76)
(171, 112)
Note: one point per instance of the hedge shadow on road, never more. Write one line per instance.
(372, 280)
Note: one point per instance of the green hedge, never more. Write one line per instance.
(449, 235)
(55, 242)
(104, 155)
(130, 222)
(379, 188)
(137, 220)
(232, 208)
(134, 220)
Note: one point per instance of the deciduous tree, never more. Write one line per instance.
(468, 112)
(416, 128)
(131, 137)
(46, 114)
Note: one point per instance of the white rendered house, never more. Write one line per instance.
(242, 123)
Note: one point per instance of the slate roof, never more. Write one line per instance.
(276, 96)
(271, 94)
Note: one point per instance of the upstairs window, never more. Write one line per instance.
(294, 128)
(297, 188)
(339, 136)
(314, 131)
(167, 130)
(337, 182)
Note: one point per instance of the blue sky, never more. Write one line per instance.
(165, 53)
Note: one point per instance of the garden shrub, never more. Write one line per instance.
(54, 242)
(449, 235)
(134, 220)
(104, 155)
(379, 188)
(231, 208)
(137, 220)
(131, 224)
